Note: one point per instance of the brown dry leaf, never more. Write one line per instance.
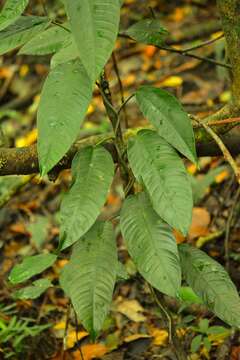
(90, 351)
(160, 336)
(200, 223)
(131, 309)
(235, 353)
(18, 228)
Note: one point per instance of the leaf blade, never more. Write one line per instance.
(166, 114)
(64, 101)
(94, 25)
(46, 42)
(155, 163)
(148, 31)
(31, 266)
(151, 244)
(11, 11)
(93, 266)
(211, 283)
(93, 171)
(21, 31)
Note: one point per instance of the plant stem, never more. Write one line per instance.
(228, 157)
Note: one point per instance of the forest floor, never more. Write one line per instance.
(29, 205)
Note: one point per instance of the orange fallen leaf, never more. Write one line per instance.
(222, 176)
(149, 51)
(200, 223)
(90, 351)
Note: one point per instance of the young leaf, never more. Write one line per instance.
(94, 25)
(31, 265)
(166, 114)
(11, 11)
(68, 52)
(93, 171)
(196, 343)
(46, 42)
(157, 164)
(148, 31)
(211, 283)
(89, 278)
(64, 101)
(37, 288)
(21, 31)
(151, 244)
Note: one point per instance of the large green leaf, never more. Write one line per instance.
(151, 244)
(68, 52)
(21, 31)
(211, 283)
(166, 114)
(157, 164)
(11, 11)
(64, 101)
(93, 171)
(94, 25)
(148, 31)
(33, 291)
(89, 278)
(31, 265)
(46, 42)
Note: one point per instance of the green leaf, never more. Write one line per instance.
(68, 52)
(200, 186)
(151, 244)
(39, 230)
(166, 114)
(93, 171)
(157, 164)
(148, 31)
(31, 266)
(187, 295)
(46, 42)
(207, 343)
(37, 288)
(203, 325)
(121, 272)
(89, 278)
(64, 101)
(94, 25)
(21, 31)
(196, 343)
(11, 11)
(211, 283)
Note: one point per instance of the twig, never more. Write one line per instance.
(228, 228)
(184, 53)
(116, 69)
(205, 43)
(217, 122)
(173, 340)
(76, 331)
(65, 330)
(126, 101)
(194, 56)
(227, 155)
